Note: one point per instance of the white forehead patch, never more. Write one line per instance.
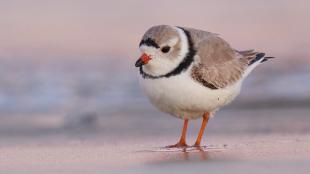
(148, 50)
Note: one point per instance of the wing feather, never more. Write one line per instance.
(218, 64)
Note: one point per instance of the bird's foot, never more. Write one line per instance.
(197, 146)
(178, 145)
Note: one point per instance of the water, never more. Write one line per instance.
(51, 89)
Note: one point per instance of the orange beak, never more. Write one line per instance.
(144, 59)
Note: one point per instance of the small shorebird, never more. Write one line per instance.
(191, 73)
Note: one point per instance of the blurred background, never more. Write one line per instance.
(69, 65)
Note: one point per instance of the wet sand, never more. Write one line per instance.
(236, 143)
(225, 153)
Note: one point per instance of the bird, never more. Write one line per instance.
(191, 73)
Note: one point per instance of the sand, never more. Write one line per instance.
(233, 146)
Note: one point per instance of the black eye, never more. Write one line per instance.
(165, 49)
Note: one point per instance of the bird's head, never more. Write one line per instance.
(162, 50)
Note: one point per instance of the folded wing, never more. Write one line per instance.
(219, 65)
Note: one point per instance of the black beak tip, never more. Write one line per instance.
(139, 63)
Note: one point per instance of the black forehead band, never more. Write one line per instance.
(149, 42)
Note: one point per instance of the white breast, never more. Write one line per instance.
(183, 97)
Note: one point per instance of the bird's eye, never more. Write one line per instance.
(165, 49)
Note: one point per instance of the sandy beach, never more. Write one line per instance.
(236, 142)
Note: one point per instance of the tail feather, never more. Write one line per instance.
(252, 56)
(257, 57)
(253, 59)
(266, 58)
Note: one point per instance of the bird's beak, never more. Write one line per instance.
(144, 59)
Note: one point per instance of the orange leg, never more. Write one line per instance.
(205, 119)
(182, 141)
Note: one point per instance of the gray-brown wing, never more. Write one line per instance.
(219, 75)
(218, 64)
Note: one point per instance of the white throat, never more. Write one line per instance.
(161, 66)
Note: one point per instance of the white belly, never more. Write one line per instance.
(183, 97)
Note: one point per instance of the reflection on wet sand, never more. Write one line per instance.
(201, 154)
(192, 153)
